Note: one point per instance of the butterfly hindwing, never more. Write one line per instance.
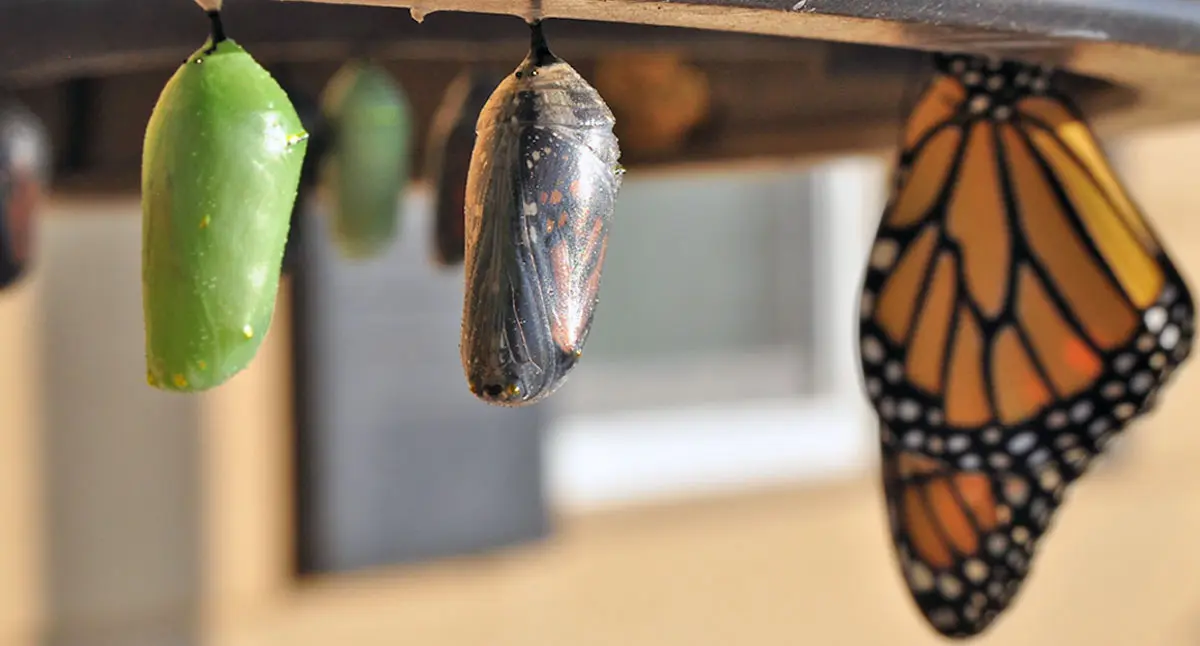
(964, 539)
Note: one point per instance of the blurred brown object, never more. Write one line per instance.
(657, 97)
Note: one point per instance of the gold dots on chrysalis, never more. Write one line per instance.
(151, 379)
(202, 364)
(248, 331)
(179, 380)
(205, 221)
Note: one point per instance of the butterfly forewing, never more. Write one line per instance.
(1017, 307)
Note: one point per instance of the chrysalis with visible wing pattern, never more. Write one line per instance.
(367, 168)
(451, 142)
(540, 195)
(220, 168)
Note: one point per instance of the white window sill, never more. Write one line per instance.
(605, 460)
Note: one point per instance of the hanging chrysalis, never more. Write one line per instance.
(314, 123)
(452, 141)
(540, 194)
(220, 168)
(367, 168)
(24, 177)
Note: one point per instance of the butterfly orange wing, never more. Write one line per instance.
(1017, 307)
(964, 539)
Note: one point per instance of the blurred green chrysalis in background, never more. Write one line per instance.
(367, 167)
(220, 169)
(24, 180)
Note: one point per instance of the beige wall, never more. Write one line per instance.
(20, 522)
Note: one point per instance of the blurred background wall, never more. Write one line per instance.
(708, 473)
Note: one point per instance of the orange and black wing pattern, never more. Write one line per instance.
(1017, 307)
(965, 539)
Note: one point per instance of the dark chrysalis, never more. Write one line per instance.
(451, 142)
(1019, 311)
(24, 177)
(313, 121)
(540, 194)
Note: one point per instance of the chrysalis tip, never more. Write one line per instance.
(209, 5)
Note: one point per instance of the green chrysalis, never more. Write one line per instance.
(314, 123)
(220, 169)
(367, 168)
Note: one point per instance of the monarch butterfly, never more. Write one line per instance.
(965, 539)
(220, 168)
(24, 176)
(540, 194)
(367, 167)
(452, 141)
(1018, 311)
(1017, 304)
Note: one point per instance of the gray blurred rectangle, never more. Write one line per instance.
(708, 295)
(398, 461)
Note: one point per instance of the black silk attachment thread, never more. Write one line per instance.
(539, 49)
(218, 30)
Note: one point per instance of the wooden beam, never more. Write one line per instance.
(786, 77)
